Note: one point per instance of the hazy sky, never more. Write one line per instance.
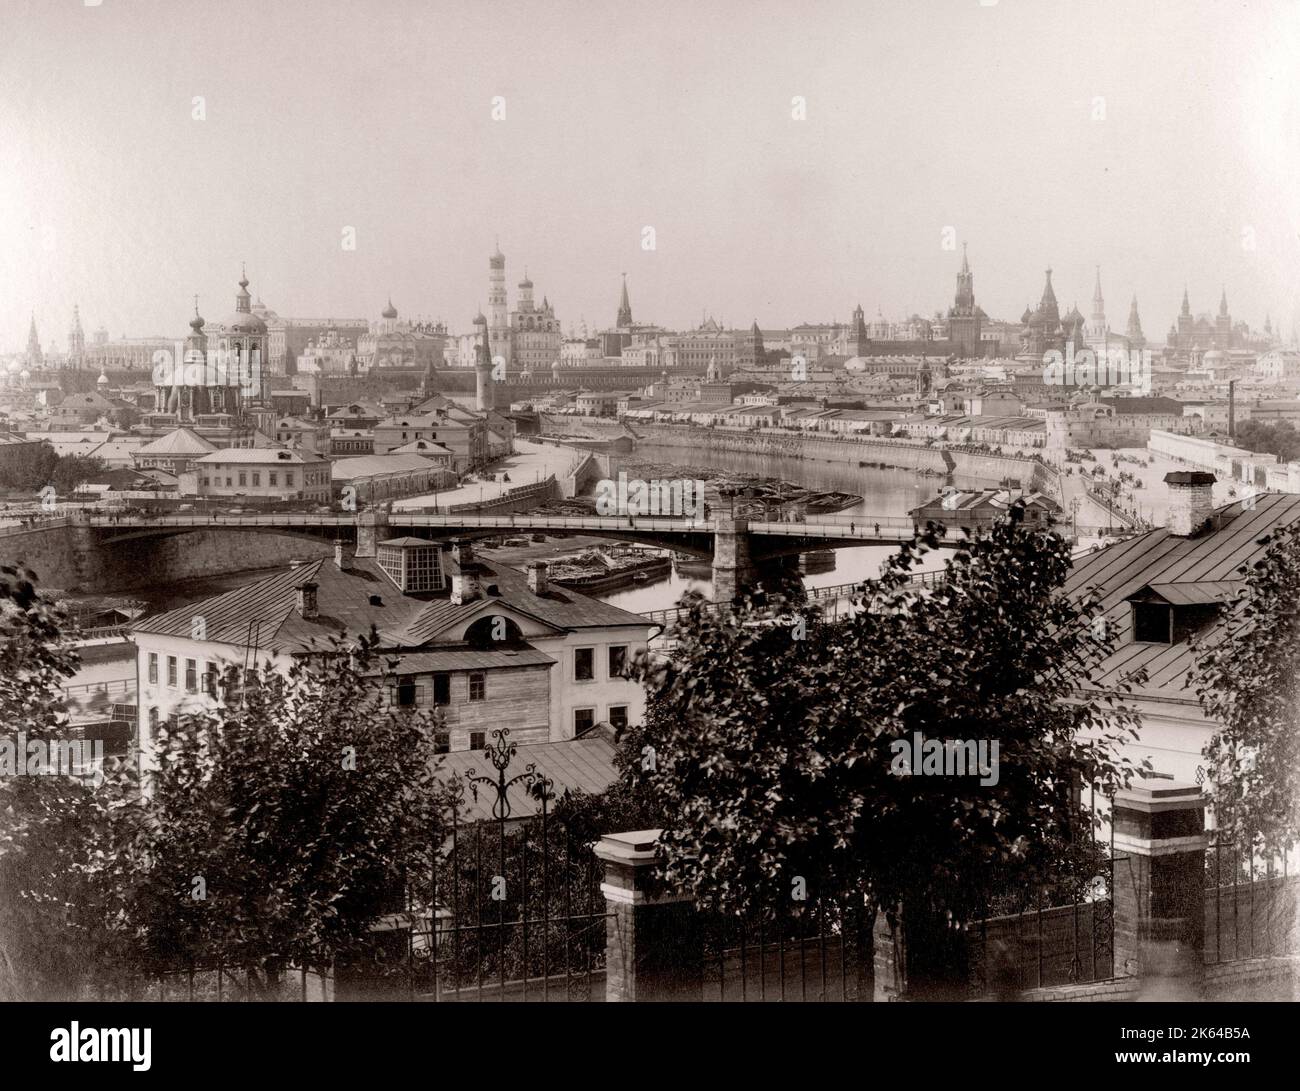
(921, 115)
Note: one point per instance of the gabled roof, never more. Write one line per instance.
(345, 608)
(1161, 559)
(1193, 594)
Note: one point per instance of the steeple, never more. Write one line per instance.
(1187, 307)
(1223, 303)
(624, 308)
(1136, 338)
(964, 301)
(35, 358)
(1098, 303)
(76, 339)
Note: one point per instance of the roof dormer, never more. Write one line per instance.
(1173, 613)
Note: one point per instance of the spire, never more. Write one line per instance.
(1096, 292)
(624, 308)
(965, 266)
(1223, 303)
(1187, 307)
(242, 298)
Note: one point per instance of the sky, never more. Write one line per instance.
(1160, 141)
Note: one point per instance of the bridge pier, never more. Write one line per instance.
(372, 528)
(733, 568)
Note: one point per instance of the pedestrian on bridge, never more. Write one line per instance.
(853, 528)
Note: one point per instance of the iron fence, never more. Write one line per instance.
(1250, 903)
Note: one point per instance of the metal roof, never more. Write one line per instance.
(1214, 557)
(585, 764)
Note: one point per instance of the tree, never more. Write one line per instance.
(62, 840)
(1279, 439)
(286, 822)
(1247, 679)
(773, 744)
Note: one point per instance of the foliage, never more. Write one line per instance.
(286, 821)
(31, 467)
(1248, 682)
(772, 755)
(1279, 439)
(61, 839)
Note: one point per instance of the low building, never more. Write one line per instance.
(175, 452)
(464, 433)
(385, 477)
(980, 509)
(263, 475)
(481, 643)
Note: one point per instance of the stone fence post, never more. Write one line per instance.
(653, 946)
(1159, 895)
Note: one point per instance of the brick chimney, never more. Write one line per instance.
(537, 582)
(1191, 501)
(463, 570)
(307, 601)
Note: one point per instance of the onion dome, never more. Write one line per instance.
(390, 311)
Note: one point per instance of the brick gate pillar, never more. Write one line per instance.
(653, 948)
(1159, 895)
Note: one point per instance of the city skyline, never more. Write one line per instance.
(138, 204)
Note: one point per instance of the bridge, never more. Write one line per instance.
(741, 547)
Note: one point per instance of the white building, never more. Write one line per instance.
(481, 643)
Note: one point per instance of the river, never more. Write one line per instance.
(884, 492)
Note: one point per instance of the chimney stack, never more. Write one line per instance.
(537, 582)
(307, 601)
(1191, 501)
(462, 550)
(340, 561)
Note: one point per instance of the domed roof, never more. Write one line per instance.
(390, 311)
(102, 380)
(479, 320)
(242, 322)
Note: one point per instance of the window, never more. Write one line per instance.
(406, 691)
(153, 668)
(191, 676)
(153, 724)
(288, 478)
(584, 664)
(243, 478)
(171, 671)
(617, 660)
(618, 717)
(270, 478)
(1151, 622)
(477, 686)
(477, 740)
(210, 679)
(257, 479)
(442, 689)
(441, 742)
(583, 720)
